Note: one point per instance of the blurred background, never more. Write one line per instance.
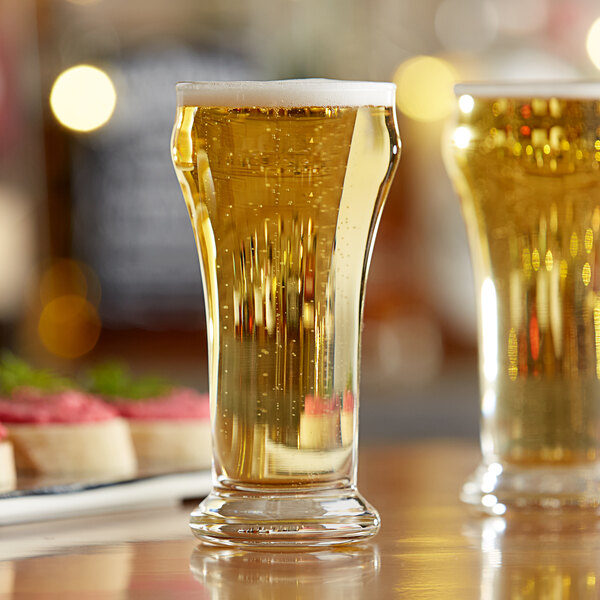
(97, 257)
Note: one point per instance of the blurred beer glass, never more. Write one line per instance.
(285, 183)
(525, 159)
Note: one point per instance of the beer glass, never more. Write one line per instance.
(525, 159)
(284, 182)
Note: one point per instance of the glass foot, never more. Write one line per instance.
(284, 518)
(496, 489)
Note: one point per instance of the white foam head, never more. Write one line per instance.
(582, 90)
(286, 94)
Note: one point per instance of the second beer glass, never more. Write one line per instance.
(525, 159)
(285, 183)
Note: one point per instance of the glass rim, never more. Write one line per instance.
(286, 93)
(572, 89)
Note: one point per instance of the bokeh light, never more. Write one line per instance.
(69, 291)
(466, 103)
(462, 137)
(593, 43)
(61, 278)
(83, 98)
(69, 326)
(65, 276)
(425, 88)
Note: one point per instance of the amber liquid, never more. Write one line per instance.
(284, 205)
(528, 174)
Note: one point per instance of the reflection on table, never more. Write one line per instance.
(430, 546)
(232, 574)
(533, 557)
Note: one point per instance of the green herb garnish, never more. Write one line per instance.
(115, 380)
(16, 373)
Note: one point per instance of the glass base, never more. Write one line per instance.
(496, 489)
(283, 518)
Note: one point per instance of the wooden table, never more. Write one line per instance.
(429, 547)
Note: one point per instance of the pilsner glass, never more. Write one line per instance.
(284, 182)
(525, 159)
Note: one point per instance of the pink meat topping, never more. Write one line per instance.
(3, 432)
(31, 406)
(314, 405)
(179, 404)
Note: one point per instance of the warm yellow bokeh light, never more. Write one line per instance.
(66, 276)
(466, 103)
(425, 88)
(83, 98)
(69, 326)
(592, 43)
(462, 137)
(61, 278)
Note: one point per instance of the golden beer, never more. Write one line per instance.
(526, 164)
(284, 199)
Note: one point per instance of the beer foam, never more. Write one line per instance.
(287, 93)
(580, 90)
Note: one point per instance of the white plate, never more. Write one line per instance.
(59, 502)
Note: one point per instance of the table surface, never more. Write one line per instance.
(430, 546)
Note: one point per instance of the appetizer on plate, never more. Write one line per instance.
(170, 425)
(57, 429)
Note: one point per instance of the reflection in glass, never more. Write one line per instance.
(329, 574)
